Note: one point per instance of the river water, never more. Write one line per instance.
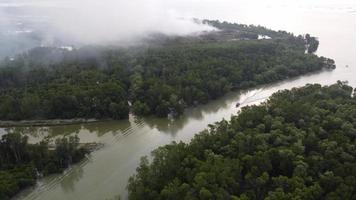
(105, 173)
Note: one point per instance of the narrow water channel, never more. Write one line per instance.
(105, 173)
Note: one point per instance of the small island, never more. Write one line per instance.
(21, 163)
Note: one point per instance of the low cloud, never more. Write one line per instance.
(100, 22)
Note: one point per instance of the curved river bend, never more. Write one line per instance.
(105, 173)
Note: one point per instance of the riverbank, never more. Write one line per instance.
(33, 161)
(53, 122)
(61, 122)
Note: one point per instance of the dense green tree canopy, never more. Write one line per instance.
(163, 77)
(21, 163)
(300, 144)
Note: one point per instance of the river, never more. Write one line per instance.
(105, 173)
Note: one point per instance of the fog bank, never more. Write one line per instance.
(28, 23)
(81, 22)
(93, 21)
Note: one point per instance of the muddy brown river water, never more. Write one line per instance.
(105, 173)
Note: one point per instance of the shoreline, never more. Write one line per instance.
(50, 122)
(61, 122)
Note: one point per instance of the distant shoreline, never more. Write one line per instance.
(53, 122)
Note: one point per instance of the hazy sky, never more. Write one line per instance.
(100, 21)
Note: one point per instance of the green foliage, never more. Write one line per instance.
(160, 79)
(300, 144)
(312, 43)
(15, 179)
(20, 162)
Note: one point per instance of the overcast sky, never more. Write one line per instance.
(98, 21)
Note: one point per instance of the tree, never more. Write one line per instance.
(268, 151)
